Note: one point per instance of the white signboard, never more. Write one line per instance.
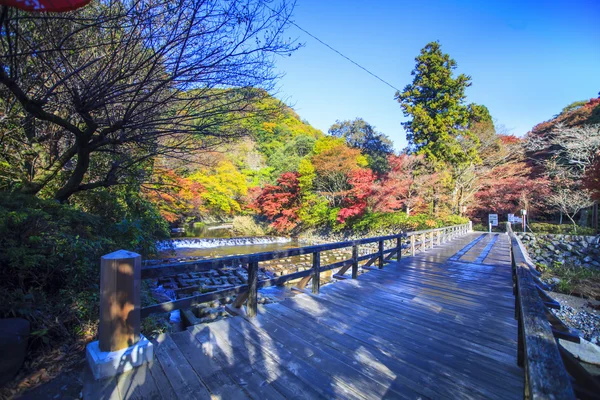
(493, 218)
(514, 220)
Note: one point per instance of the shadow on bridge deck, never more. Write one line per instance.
(437, 325)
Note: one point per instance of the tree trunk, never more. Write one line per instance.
(83, 163)
(573, 222)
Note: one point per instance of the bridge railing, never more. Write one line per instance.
(538, 351)
(402, 243)
(122, 274)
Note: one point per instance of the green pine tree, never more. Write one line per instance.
(435, 101)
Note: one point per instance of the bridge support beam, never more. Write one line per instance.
(120, 346)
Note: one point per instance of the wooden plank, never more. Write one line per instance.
(407, 322)
(139, 383)
(303, 282)
(337, 366)
(209, 371)
(458, 301)
(404, 367)
(418, 309)
(259, 374)
(179, 372)
(456, 298)
(311, 376)
(394, 341)
(161, 380)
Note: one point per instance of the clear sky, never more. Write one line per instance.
(527, 59)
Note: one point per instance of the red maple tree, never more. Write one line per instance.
(355, 201)
(280, 203)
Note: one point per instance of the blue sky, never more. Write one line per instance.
(527, 59)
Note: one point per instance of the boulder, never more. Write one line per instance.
(14, 335)
(584, 351)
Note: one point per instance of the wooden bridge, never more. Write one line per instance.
(438, 324)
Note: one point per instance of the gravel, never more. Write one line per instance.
(580, 314)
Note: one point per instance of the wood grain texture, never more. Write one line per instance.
(424, 327)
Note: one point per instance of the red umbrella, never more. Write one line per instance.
(45, 5)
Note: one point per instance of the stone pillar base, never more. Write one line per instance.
(106, 364)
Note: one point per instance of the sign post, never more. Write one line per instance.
(493, 220)
(524, 213)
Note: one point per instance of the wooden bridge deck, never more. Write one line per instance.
(438, 325)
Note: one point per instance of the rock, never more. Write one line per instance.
(555, 280)
(550, 247)
(585, 351)
(569, 247)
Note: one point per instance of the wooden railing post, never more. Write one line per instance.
(252, 304)
(423, 242)
(431, 239)
(439, 237)
(120, 346)
(316, 278)
(381, 259)
(120, 280)
(399, 247)
(412, 245)
(354, 261)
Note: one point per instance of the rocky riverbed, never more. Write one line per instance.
(184, 285)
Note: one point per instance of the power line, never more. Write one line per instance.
(346, 57)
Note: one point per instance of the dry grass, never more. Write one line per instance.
(575, 280)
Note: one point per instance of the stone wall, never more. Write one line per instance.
(570, 249)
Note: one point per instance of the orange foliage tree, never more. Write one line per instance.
(175, 197)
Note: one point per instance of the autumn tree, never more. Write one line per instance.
(566, 153)
(361, 135)
(280, 203)
(332, 162)
(591, 179)
(508, 188)
(403, 186)
(89, 97)
(176, 198)
(355, 204)
(224, 187)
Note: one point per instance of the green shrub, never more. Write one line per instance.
(500, 228)
(556, 229)
(49, 262)
(378, 223)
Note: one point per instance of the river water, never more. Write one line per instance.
(218, 240)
